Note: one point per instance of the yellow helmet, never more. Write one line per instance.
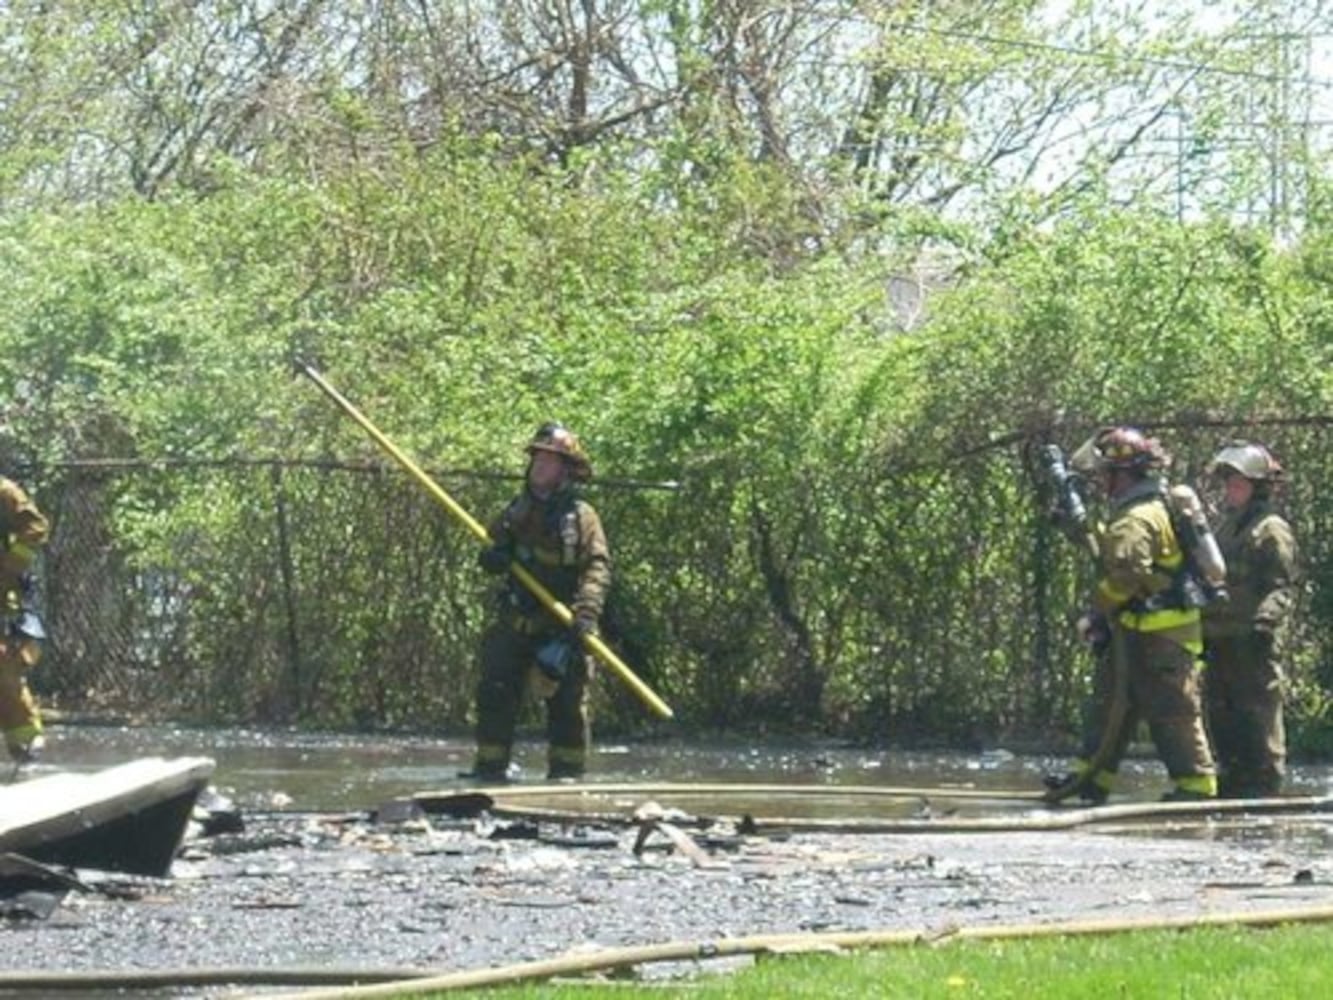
(560, 440)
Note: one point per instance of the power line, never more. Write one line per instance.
(1103, 56)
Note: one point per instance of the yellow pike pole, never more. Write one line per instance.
(593, 643)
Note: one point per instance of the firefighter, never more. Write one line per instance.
(1144, 626)
(23, 529)
(557, 536)
(1243, 683)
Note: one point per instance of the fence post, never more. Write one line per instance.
(288, 588)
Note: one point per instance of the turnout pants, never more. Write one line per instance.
(20, 721)
(1243, 697)
(508, 661)
(1165, 692)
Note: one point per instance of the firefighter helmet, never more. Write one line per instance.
(1249, 459)
(1126, 448)
(560, 440)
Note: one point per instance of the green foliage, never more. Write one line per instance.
(857, 545)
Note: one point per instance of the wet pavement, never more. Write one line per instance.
(270, 769)
(314, 881)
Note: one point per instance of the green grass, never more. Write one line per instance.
(1207, 964)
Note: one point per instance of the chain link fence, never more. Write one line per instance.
(263, 592)
(929, 605)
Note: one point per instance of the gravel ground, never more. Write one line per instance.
(324, 890)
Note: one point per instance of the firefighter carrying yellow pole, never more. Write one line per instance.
(591, 642)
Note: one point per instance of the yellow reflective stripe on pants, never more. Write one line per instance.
(20, 736)
(1199, 784)
(1104, 780)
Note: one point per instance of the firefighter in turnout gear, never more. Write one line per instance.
(1243, 682)
(558, 538)
(1144, 626)
(23, 529)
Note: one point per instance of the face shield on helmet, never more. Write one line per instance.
(559, 440)
(1086, 460)
(1251, 460)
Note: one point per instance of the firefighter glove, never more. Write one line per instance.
(1093, 629)
(583, 624)
(554, 658)
(26, 625)
(495, 559)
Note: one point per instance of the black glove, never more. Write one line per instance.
(495, 559)
(583, 624)
(554, 657)
(1094, 630)
(26, 625)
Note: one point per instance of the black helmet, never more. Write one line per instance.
(559, 439)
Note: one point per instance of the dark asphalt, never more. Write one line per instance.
(322, 890)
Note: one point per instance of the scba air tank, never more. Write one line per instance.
(1199, 540)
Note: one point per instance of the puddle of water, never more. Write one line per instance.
(332, 772)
